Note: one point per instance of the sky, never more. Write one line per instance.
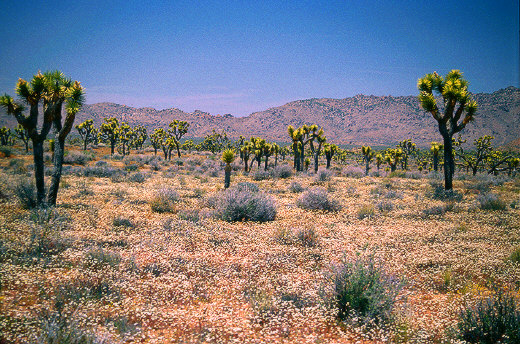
(239, 57)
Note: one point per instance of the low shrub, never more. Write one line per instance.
(307, 237)
(438, 192)
(295, 187)
(317, 199)
(282, 172)
(56, 327)
(495, 319)
(362, 290)
(366, 212)
(238, 204)
(137, 177)
(46, 239)
(490, 201)
(246, 186)
(25, 191)
(261, 175)
(515, 255)
(121, 221)
(164, 200)
(323, 175)
(385, 206)
(98, 258)
(76, 158)
(353, 172)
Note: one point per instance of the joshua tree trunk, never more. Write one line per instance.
(59, 150)
(436, 162)
(227, 176)
(266, 161)
(245, 159)
(367, 167)
(39, 171)
(328, 162)
(178, 150)
(449, 162)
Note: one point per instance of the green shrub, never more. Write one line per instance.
(26, 194)
(490, 201)
(98, 258)
(366, 211)
(515, 255)
(495, 319)
(361, 290)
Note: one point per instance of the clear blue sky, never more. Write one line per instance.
(243, 56)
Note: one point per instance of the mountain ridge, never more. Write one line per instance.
(359, 120)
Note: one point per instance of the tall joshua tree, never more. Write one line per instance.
(54, 90)
(456, 105)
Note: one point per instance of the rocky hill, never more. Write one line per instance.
(374, 120)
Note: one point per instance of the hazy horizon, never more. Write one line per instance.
(239, 58)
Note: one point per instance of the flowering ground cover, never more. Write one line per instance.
(136, 252)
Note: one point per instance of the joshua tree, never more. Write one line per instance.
(54, 90)
(408, 148)
(295, 134)
(177, 130)
(321, 140)
(392, 157)
(379, 161)
(276, 151)
(21, 133)
(126, 136)
(477, 157)
(246, 150)
(5, 135)
(156, 139)
(188, 145)
(87, 131)
(215, 142)
(329, 150)
(435, 149)
(228, 156)
(109, 132)
(139, 137)
(456, 103)
(267, 151)
(368, 155)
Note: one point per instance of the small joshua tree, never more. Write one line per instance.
(435, 149)
(21, 133)
(246, 152)
(408, 148)
(109, 133)
(228, 156)
(329, 151)
(87, 131)
(368, 155)
(456, 102)
(392, 157)
(5, 135)
(379, 160)
(473, 160)
(176, 131)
